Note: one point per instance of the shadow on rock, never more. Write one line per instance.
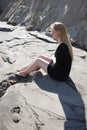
(11, 80)
(70, 99)
(3, 29)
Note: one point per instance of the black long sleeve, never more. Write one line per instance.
(61, 69)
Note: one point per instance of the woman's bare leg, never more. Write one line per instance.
(22, 69)
(46, 58)
(40, 57)
(37, 64)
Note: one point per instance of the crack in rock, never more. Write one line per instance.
(11, 80)
(4, 85)
(16, 111)
(8, 59)
(3, 29)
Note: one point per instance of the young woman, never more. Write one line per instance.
(63, 57)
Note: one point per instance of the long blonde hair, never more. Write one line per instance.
(60, 27)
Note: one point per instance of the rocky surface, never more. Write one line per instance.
(38, 15)
(38, 102)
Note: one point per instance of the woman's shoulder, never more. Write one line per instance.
(63, 46)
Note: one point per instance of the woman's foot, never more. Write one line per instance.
(21, 74)
(23, 69)
(18, 70)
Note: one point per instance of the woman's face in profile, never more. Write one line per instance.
(54, 34)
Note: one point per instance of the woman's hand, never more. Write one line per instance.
(53, 59)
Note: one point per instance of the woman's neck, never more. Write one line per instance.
(61, 42)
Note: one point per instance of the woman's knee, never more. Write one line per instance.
(41, 56)
(42, 64)
(38, 61)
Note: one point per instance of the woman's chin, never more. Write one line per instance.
(54, 39)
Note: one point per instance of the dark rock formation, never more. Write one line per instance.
(38, 15)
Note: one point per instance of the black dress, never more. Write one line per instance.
(61, 69)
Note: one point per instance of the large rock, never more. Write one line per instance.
(39, 102)
(40, 14)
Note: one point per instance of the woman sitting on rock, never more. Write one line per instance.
(63, 57)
